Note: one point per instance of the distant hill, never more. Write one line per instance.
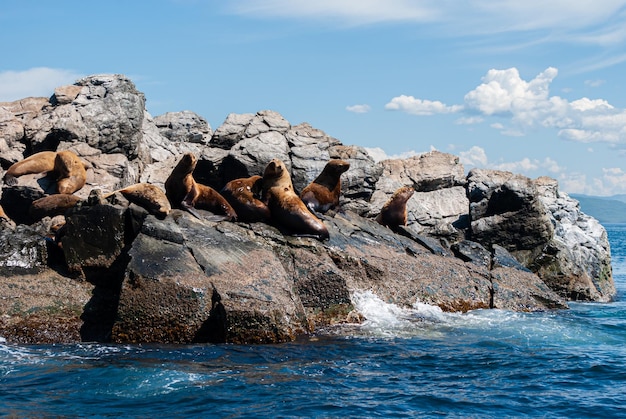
(606, 209)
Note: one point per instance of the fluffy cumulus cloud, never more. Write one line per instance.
(359, 108)
(527, 105)
(40, 81)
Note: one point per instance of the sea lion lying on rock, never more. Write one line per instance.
(52, 205)
(70, 171)
(147, 196)
(242, 194)
(323, 193)
(288, 212)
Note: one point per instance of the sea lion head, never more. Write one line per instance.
(403, 194)
(187, 163)
(337, 166)
(274, 169)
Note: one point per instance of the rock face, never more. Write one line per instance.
(115, 273)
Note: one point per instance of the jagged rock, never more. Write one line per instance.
(250, 155)
(505, 209)
(470, 251)
(517, 290)
(241, 126)
(184, 126)
(23, 251)
(65, 94)
(172, 288)
(501, 258)
(94, 236)
(107, 114)
(578, 261)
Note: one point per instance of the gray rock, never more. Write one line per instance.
(184, 126)
(107, 114)
(473, 252)
(505, 209)
(578, 265)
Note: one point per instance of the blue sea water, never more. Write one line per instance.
(415, 362)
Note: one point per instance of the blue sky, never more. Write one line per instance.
(534, 87)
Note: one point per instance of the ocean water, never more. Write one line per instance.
(415, 362)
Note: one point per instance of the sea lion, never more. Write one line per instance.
(71, 172)
(287, 210)
(52, 205)
(242, 194)
(393, 213)
(180, 181)
(147, 196)
(68, 168)
(184, 192)
(323, 193)
(41, 162)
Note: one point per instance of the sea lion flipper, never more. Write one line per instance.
(189, 208)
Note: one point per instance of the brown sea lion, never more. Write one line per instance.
(184, 192)
(180, 181)
(71, 172)
(242, 194)
(147, 196)
(287, 210)
(41, 162)
(68, 168)
(52, 205)
(393, 213)
(323, 193)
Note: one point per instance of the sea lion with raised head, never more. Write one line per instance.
(393, 213)
(323, 193)
(242, 195)
(184, 192)
(287, 210)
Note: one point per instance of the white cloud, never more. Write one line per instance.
(414, 106)
(470, 120)
(528, 105)
(475, 157)
(595, 83)
(504, 91)
(378, 154)
(359, 108)
(39, 81)
(522, 166)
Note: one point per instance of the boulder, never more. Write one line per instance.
(107, 114)
(505, 209)
(577, 262)
(184, 126)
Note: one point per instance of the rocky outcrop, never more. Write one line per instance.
(487, 240)
(577, 260)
